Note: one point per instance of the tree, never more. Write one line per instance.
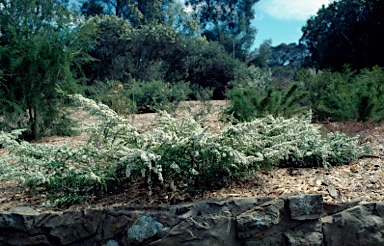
(42, 45)
(172, 50)
(92, 8)
(110, 52)
(284, 61)
(228, 22)
(292, 55)
(347, 31)
(259, 56)
(137, 12)
(124, 52)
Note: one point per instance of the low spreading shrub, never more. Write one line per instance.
(177, 153)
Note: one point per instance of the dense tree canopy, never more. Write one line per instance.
(173, 51)
(346, 32)
(228, 22)
(138, 12)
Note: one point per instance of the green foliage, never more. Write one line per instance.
(41, 47)
(136, 12)
(113, 42)
(141, 97)
(114, 94)
(227, 22)
(178, 153)
(157, 95)
(252, 77)
(259, 56)
(344, 96)
(172, 52)
(202, 94)
(208, 65)
(246, 104)
(346, 32)
(124, 52)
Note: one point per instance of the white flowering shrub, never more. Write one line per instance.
(176, 153)
(60, 170)
(291, 142)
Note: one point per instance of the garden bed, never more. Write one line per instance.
(360, 180)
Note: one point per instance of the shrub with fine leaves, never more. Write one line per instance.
(177, 153)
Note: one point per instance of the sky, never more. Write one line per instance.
(282, 20)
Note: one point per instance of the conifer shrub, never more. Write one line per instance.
(157, 95)
(200, 93)
(247, 104)
(177, 154)
(347, 95)
(244, 104)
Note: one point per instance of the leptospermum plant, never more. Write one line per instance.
(175, 153)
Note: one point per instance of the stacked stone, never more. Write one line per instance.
(295, 219)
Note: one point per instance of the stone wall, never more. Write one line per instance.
(295, 219)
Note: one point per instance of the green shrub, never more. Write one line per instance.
(140, 97)
(200, 93)
(178, 153)
(114, 94)
(246, 104)
(344, 96)
(157, 95)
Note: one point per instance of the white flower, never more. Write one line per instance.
(193, 171)
(175, 167)
(128, 170)
(93, 176)
(142, 172)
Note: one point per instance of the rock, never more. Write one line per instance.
(306, 207)
(274, 239)
(16, 221)
(259, 218)
(333, 192)
(72, 226)
(360, 225)
(289, 220)
(38, 240)
(112, 243)
(25, 210)
(204, 230)
(332, 208)
(113, 225)
(307, 234)
(144, 227)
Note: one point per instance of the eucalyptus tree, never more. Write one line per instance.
(228, 22)
(346, 31)
(42, 46)
(138, 12)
